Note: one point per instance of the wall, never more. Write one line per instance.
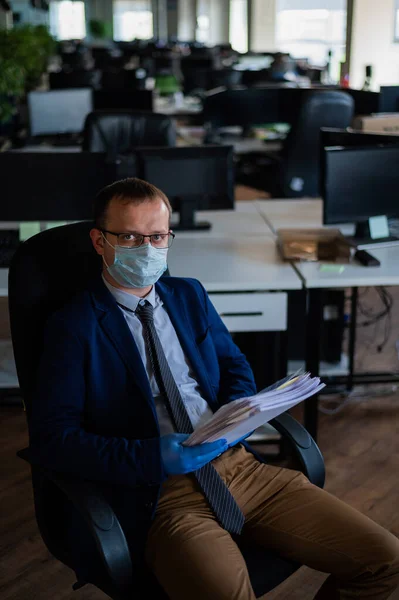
(186, 19)
(219, 14)
(172, 21)
(372, 43)
(263, 25)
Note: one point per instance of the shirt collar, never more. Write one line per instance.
(130, 300)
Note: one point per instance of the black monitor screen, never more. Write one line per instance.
(59, 111)
(204, 174)
(245, 107)
(389, 98)
(343, 137)
(359, 183)
(123, 100)
(52, 186)
(366, 103)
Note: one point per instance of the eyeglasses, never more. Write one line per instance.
(135, 240)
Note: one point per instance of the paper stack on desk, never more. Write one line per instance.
(239, 418)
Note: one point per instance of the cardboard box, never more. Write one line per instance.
(382, 123)
(313, 245)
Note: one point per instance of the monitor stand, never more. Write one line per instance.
(186, 209)
(362, 236)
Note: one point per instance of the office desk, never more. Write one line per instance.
(168, 106)
(245, 220)
(308, 213)
(291, 213)
(47, 148)
(233, 264)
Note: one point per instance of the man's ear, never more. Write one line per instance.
(97, 240)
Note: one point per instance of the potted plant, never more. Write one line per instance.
(24, 54)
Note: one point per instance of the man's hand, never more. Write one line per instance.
(179, 459)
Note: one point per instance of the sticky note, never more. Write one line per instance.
(27, 229)
(331, 268)
(378, 227)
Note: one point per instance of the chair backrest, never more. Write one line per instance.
(118, 132)
(46, 272)
(301, 154)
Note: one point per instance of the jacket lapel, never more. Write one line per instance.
(177, 314)
(115, 327)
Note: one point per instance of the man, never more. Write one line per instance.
(128, 369)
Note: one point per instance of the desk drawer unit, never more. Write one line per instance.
(257, 311)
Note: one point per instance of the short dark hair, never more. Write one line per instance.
(131, 190)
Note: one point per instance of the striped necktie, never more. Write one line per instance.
(215, 490)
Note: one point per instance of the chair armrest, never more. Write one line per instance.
(102, 522)
(304, 445)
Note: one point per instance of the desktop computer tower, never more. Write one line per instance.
(332, 326)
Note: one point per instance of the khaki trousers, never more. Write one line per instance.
(194, 558)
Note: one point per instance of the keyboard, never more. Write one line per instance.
(9, 242)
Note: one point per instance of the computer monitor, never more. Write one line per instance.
(366, 102)
(53, 186)
(126, 100)
(358, 183)
(330, 136)
(59, 111)
(193, 178)
(389, 99)
(243, 107)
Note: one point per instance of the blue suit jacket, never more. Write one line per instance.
(93, 413)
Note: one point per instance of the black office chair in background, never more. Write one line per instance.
(40, 283)
(118, 132)
(295, 171)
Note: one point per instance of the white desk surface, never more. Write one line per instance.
(245, 220)
(305, 213)
(308, 213)
(355, 274)
(48, 148)
(232, 264)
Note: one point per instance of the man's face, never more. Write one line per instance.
(124, 217)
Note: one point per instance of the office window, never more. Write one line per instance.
(133, 20)
(67, 20)
(310, 28)
(238, 26)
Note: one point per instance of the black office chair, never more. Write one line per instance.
(118, 132)
(41, 282)
(295, 171)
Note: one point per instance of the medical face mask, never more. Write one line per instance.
(137, 267)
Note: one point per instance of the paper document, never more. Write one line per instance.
(239, 418)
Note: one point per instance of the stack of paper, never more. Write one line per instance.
(239, 418)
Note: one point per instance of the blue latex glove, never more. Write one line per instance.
(178, 459)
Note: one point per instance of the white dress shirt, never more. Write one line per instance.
(197, 408)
